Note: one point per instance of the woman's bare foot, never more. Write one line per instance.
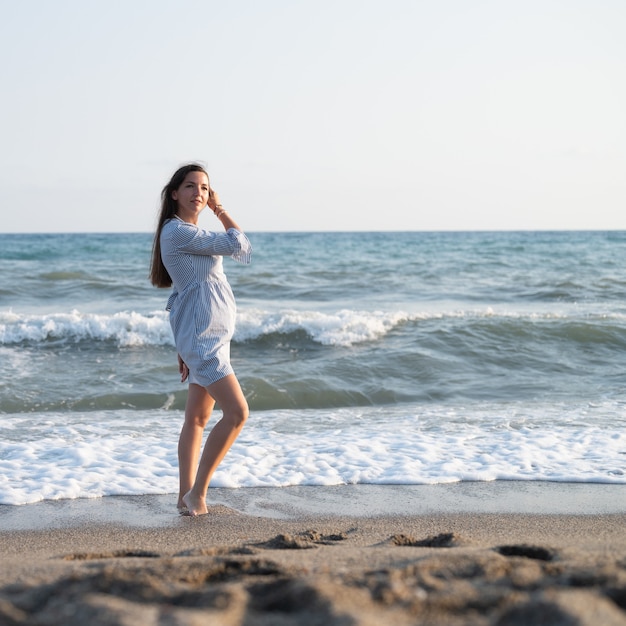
(181, 506)
(195, 506)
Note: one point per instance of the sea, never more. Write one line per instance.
(380, 358)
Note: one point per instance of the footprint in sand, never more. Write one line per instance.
(442, 540)
(304, 541)
(528, 551)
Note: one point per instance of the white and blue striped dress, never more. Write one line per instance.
(202, 306)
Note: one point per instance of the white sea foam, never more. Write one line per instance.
(344, 327)
(85, 455)
(126, 328)
(129, 328)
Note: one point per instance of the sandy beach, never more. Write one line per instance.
(471, 553)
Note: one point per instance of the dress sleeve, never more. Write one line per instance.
(242, 246)
(194, 240)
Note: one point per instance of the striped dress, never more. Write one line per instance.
(202, 306)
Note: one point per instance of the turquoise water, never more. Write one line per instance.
(365, 357)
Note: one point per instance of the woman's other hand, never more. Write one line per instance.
(183, 369)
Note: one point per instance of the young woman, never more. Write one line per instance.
(202, 316)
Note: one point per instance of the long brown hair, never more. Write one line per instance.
(159, 276)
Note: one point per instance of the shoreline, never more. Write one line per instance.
(497, 497)
(468, 553)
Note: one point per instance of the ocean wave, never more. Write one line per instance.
(342, 328)
(130, 328)
(126, 328)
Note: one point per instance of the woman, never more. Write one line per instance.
(202, 316)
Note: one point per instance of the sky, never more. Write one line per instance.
(315, 115)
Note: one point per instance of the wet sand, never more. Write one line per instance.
(474, 553)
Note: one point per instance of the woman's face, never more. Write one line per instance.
(193, 194)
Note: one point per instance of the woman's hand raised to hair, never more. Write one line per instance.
(214, 200)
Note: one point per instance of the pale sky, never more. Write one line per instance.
(315, 114)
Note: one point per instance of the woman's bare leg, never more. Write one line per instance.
(197, 413)
(228, 394)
